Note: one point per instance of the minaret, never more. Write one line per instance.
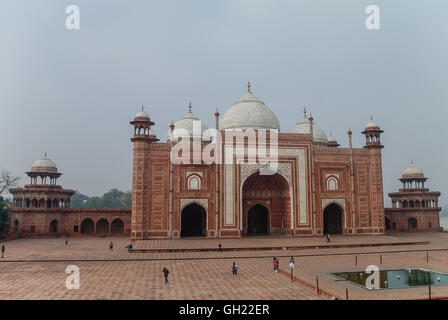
(142, 139)
(373, 144)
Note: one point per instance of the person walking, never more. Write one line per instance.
(234, 270)
(165, 275)
(328, 237)
(276, 262)
(291, 267)
(66, 241)
(111, 246)
(3, 251)
(219, 248)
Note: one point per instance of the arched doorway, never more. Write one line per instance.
(117, 226)
(87, 226)
(412, 223)
(102, 226)
(54, 226)
(333, 219)
(193, 221)
(387, 223)
(273, 192)
(258, 220)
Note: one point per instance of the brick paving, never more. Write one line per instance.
(35, 268)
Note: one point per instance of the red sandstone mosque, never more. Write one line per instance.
(317, 187)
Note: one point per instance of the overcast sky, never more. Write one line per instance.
(72, 93)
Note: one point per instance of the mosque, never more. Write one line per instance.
(317, 186)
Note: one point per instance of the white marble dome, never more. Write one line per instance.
(249, 113)
(303, 126)
(331, 138)
(142, 114)
(44, 165)
(184, 128)
(371, 124)
(412, 170)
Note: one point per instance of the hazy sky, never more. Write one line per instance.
(72, 93)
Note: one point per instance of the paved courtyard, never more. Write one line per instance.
(35, 268)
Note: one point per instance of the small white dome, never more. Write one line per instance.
(372, 124)
(44, 164)
(249, 113)
(412, 170)
(303, 126)
(142, 114)
(185, 126)
(331, 139)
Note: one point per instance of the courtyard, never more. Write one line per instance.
(36, 268)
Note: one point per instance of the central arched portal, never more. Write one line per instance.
(266, 204)
(333, 219)
(258, 220)
(193, 221)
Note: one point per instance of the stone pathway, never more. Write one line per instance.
(35, 268)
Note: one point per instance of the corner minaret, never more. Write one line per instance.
(142, 139)
(142, 127)
(373, 133)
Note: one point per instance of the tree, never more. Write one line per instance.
(127, 199)
(3, 214)
(7, 180)
(78, 200)
(94, 202)
(113, 199)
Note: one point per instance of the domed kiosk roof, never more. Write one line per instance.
(142, 114)
(412, 172)
(303, 126)
(44, 165)
(184, 127)
(249, 113)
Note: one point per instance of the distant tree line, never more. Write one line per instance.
(114, 198)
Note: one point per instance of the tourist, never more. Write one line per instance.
(219, 248)
(276, 262)
(3, 250)
(111, 246)
(130, 247)
(234, 270)
(273, 262)
(291, 260)
(328, 237)
(66, 241)
(165, 275)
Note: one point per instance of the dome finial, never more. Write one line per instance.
(371, 117)
(304, 112)
(248, 87)
(189, 107)
(45, 154)
(142, 107)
